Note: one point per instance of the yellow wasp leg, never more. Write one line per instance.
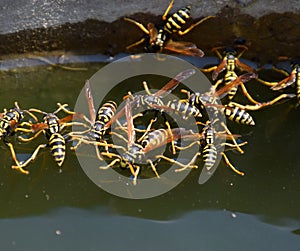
(194, 25)
(209, 69)
(231, 166)
(13, 154)
(32, 158)
(164, 16)
(141, 26)
(153, 168)
(183, 166)
(29, 139)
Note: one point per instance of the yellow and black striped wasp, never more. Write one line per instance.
(154, 102)
(291, 78)
(230, 62)
(97, 122)
(10, 121)
(159, 37)
(210, 147)
(52, 127)
(135, 153)
(208, 101)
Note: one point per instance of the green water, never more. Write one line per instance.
(52, 210)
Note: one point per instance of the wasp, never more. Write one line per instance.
(159, 37)
(97, 122)
(52, 128)
(10, 120)
(154, 102)
(230, 62)
(136, 153)
(291, 78)
(209, 146)
(231, 110)
(210, 151)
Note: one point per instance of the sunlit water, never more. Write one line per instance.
(52, 210)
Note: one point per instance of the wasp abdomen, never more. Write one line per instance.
(238, 115)
(209, 156)
(178, 19)
(58, 147)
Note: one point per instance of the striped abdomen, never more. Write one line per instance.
(209, 156)
(5, 122)
(104, 115)
(58, 148)
(238, 115)
(106, 111)
(228, 78)
(185, 108)
(177, 20)
(155, 138)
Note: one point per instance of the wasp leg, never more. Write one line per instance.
(153, 168)
(31, 115)
(63, 108)
(26, 124)
(96, 143)
(183, 166)
(147, 130)
(209, 69)
(29, 139)
(19, 166)
(267, 83)
(134, 173)
(216, 50)
(194, 25)
(232, 138)
(146, 88)
(141, 26)
(98, 154)
(263, 104)
(188, 146)
(20, 129)
(280, 71)
(244, 49)
(71, 136)
(186, 92)
(13, 154)
(164, 16)
(247, 95)
(119, 136)
(172, 138)
(135, 44)
(231, 166)
(220, 81)
(233, 145)
(110, 164)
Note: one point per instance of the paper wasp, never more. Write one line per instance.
(208, 101)
(230, 62)
(291, 78)
(159, 37)
(9, 124)
(209, 146)
(154, 102)
(97, 122)
(135, 154)
(52, 127)
(210, 150)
